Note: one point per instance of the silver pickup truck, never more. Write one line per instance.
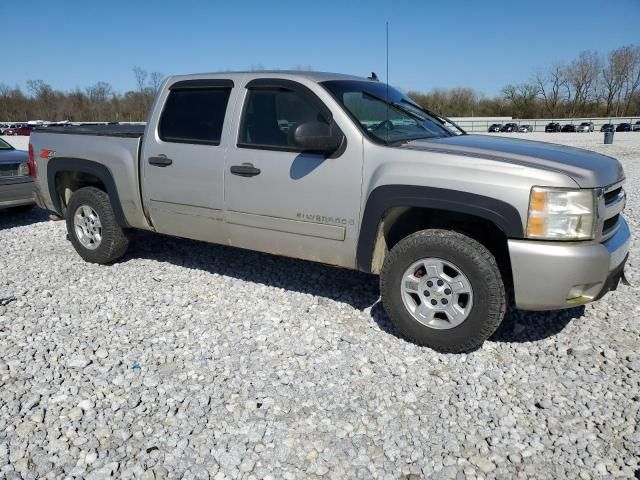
(350, 172)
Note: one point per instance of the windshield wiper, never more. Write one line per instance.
(399, 106)
(440, 118)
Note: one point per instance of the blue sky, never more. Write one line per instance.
(480, 44)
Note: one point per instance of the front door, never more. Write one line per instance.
(281, 200)
(183, 160)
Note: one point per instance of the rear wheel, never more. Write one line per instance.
(443, 290)
(92, 227)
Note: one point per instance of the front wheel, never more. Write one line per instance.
(93, 228)
(443, 290)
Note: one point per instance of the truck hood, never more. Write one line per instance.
(588, 169)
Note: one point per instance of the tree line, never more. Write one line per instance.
(96, 103)
(591, 85)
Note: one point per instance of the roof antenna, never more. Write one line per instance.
(387, 61)
(387, 99)
(374, 77)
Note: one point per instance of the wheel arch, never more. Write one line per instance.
(85, 173)
(389, 204)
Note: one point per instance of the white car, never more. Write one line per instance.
(585, 127)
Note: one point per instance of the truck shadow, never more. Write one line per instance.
(10, 218)
(517, 327)
(357, 289)
(521, 326)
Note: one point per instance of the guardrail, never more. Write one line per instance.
(538, 124)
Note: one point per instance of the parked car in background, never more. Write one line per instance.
(10, 130)
(16, 186)
(3, 128)
(607, 127)
(525, 129)
(24, 130)
(623, 127)
(569, 127)
(585, 127)
(532, 221)
(509, 127)
(495, 127)
(552, 127)
(636, 126)
(18, 129)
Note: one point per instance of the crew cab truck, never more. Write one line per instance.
(350, 172)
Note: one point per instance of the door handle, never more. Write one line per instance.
(160, 161)
(245, 170)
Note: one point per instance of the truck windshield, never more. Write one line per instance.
(384, 113)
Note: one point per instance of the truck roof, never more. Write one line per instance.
(308, 75)
(137, 131)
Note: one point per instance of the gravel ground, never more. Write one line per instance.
(188, 360)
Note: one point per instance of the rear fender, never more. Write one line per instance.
(56, 165)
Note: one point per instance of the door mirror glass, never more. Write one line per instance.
(318, 137)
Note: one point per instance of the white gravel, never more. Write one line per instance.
(188, 360)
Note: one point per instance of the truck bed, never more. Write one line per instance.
(110, 150)
(115, 130)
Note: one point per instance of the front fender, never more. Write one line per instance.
(505, 216)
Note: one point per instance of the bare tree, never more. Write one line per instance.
(99, 96)
(631, 85)
(523, 98)
(155, 81)
(582, 80)
(141, 78)
(550, 84)
(141, 82)
(5, 100)
(45, 96)
(453, 102)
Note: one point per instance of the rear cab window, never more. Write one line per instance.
(194, 112)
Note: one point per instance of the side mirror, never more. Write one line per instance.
(318, 137)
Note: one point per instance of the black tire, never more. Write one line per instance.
(114, 241)
(479, 266)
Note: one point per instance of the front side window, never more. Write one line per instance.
(271, 114)
(194, 115)
(384, 113)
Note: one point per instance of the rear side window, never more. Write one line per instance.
(194, 115)
(271, 114)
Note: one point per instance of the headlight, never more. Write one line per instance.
(561, 214)
(23, 169)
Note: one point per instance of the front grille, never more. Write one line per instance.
(610, 224)
(611, 206)
(612, 195)
(9, 170)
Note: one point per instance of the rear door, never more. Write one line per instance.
(183, 159)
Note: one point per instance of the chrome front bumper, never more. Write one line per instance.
(554, 275)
